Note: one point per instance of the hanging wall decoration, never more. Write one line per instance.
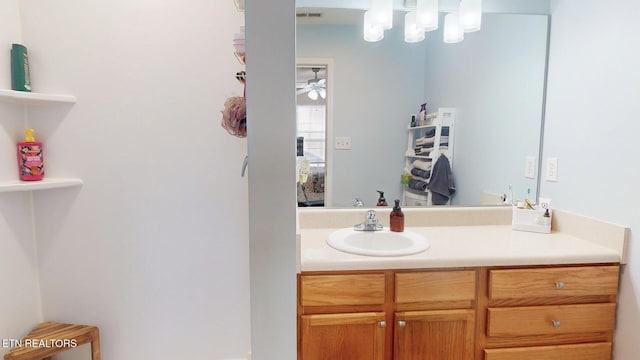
(234, 114)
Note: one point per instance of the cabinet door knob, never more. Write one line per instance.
(382, 324)
(555, 323)
(402, 323)
(559, 285)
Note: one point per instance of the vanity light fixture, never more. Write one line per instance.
(382, 11)
(470, 15)
(372, 31)
(453, 32)
(427, 14)
(412, 32)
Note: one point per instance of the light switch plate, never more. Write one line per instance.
(343, 143)
(530, 167)
(552, 169)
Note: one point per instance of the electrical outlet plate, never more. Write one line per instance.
(530, 167)
(552, 169)
(343, 143)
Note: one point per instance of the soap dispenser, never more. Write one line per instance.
(30, 159)
(396, 220)
(381, 200)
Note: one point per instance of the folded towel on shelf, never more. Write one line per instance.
(422, 164)
(429, 132)
(425, 142)
(441, 181)
(423, 151)
(417, 184)
(425, 174)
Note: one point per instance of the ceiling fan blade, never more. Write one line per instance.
(322, 82)
(302, 91)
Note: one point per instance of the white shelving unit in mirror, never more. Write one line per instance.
(426, 142)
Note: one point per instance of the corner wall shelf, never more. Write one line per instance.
(31, 98)
(44, 184)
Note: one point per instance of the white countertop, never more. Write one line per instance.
(460, 246)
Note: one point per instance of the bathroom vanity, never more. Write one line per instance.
(482, 291)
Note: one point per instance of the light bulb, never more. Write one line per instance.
(412, 33)
(382, 11)
(452, 30)
(372, 32)
(471, 15)
(427, 14)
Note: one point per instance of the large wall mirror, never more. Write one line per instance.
(494, 78)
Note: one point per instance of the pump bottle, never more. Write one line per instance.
(30, 158)
(396, 220)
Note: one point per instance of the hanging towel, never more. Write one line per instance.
(441, 182)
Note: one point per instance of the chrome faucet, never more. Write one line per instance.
(370, 223)
(358, 203)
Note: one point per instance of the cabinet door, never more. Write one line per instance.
(437, 335)
(354, 336)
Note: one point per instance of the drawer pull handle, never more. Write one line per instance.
(555, 323)
(559, 285)
(402, 324)
(382, 324)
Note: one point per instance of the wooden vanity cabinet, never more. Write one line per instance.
(387, 315)
(554, 313)
(488, 313)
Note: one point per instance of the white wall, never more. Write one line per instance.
(272, 149)
(154, 247)
(592, 127)
(377, 86)
(11, 33)
(20, 306)
(495, 80)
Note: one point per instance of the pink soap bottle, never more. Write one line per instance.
(30, 159)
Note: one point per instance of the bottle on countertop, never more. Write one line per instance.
(30, 158)
(396, 219)
(422, 115)
(381, 200)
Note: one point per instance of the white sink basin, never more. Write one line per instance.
(378, 243)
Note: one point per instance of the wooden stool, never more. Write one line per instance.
(50, 338)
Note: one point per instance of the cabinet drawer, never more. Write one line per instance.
(328, 290)
(553, 282)
(448, 286)
(550, 320)
(596, 351)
